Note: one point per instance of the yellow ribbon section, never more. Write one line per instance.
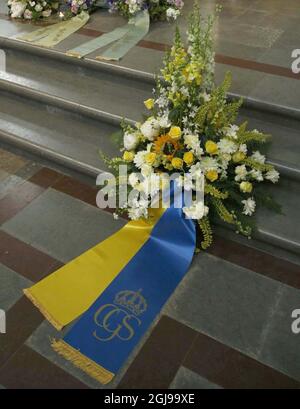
(56, 33)
(70, 291)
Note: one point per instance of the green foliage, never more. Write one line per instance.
(214, 192)
(206, 231)
(222, 211)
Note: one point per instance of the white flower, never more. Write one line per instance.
(241, 173)
(196, 170)
(17, 9)
(206, 97)
(47, 13)
(231, 131)
(133, 179)
(139, 159)
(164, 121)
(196, 211)
(249, 206)
(258, 157)
(208, 163)
(243, 148)
(256, 174)
(191, 141)
(136, 213)
(138, 208)
(28, 14)
(162, 101)
(172, 13)
(184, 91)
(115, 216)
(146, 170)
(272, 176)
(150, 129)
(32, 3)
(226, 146)
(131, 141)
(38, 8)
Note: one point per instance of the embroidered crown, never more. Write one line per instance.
(132, 301)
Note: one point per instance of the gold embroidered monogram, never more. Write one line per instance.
(121, 318)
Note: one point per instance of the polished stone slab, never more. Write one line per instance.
(10, 162)
(187, 379)
(11, 288)
(39, 341)
(281, 347)
(225, 301)
(63, 227)
(241, 309)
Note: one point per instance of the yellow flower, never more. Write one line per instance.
(149, 103)
(211, 147)
(188, 158)
(150, 158)
(246, 187)
(177, 163)
(128, 156)
(175, 132)
(238, 157)
(212, 175)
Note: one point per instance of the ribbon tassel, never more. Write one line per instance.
(82, 362)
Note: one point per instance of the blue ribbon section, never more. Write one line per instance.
(112, 327)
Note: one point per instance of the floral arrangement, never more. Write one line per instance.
(191, 129)
(75, 7)
(158, 9)
(32, 10)
(37, 9)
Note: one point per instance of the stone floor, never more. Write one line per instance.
(254, 39)
(228, 325)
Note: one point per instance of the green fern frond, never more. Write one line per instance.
(253, 136)
(222, 211)
(206, 230)
(214, 192)
(263, 167)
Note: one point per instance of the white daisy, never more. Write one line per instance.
(272, 176)
(249, 206)
(241, 173)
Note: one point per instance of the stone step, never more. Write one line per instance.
(72, 140)
(96, 92)
(64, 137)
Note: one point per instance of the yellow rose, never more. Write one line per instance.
(246, 187)
(212, 175)
(150, 158)
(188, 158)
(128, 156)
(149, 103)
(175, 132)
(238, 157)
(177, 163)
(211, 147)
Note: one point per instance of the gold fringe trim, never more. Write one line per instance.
(78, 359)
(57, 325)
(73, 54)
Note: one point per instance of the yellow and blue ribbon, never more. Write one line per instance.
(67, 293)
(104, 337)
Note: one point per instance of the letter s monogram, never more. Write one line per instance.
(129, 327)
